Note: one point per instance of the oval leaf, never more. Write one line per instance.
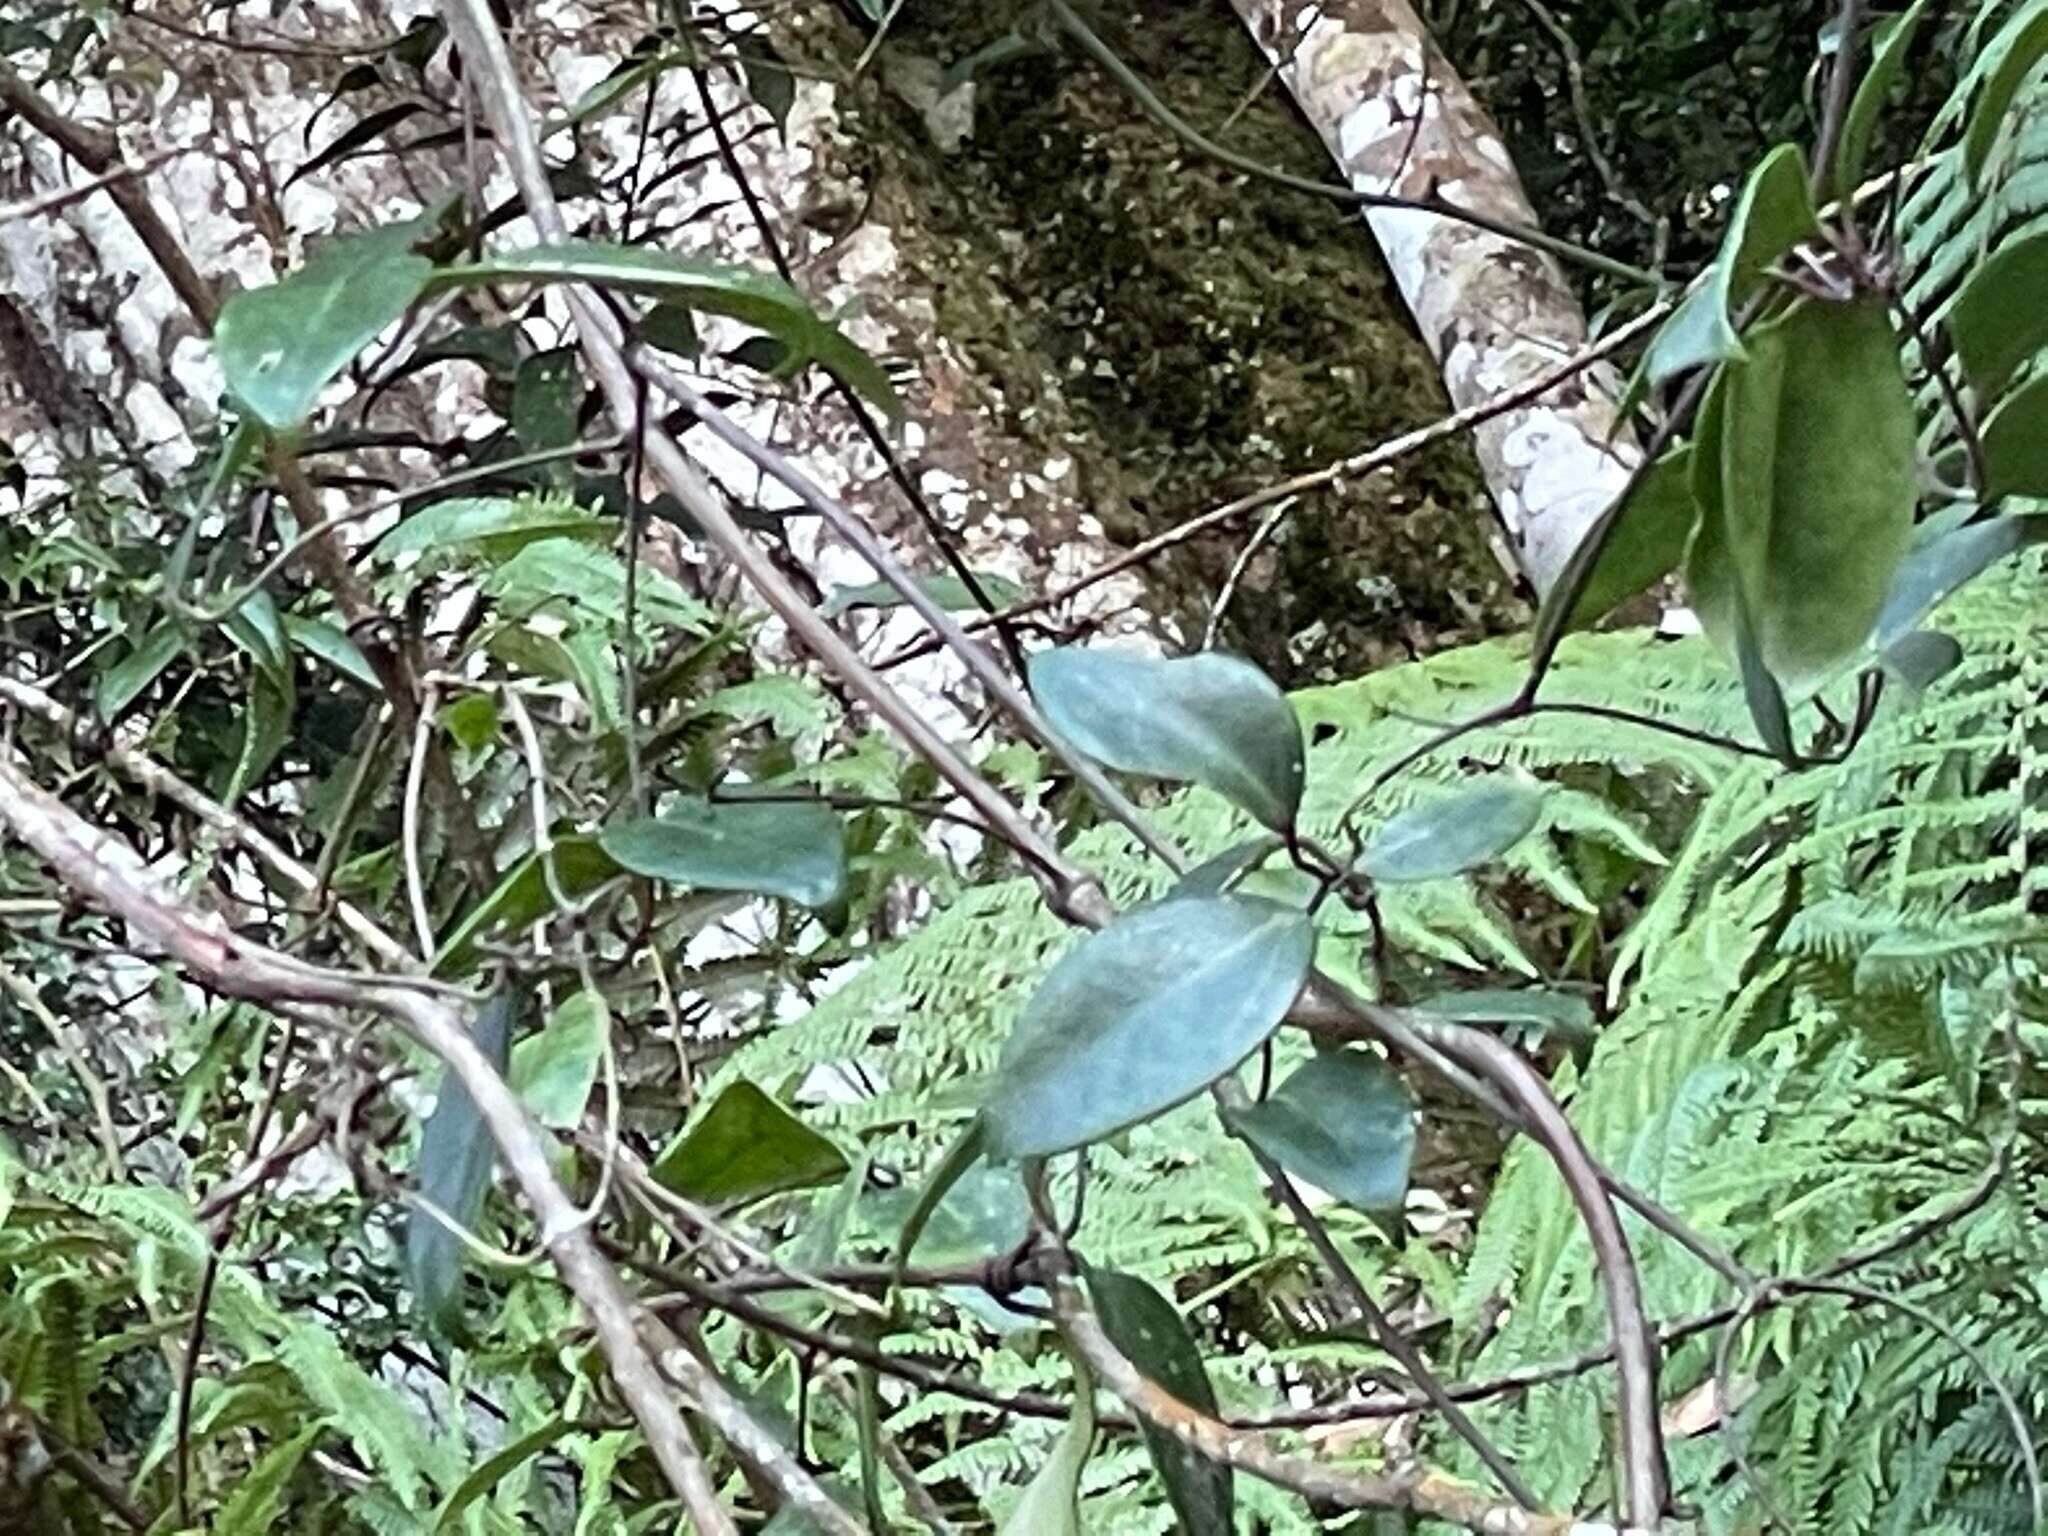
(280, 346)
(1345, 1123)
(553, 1070)
(792, 849)
(2008, 59)
(2016, 443)
(1922, 658)
(1859, 127)
(2000, 318)
(1449, 836)
(746, 1146)
(1142, 1015)
(454, 1170)
(1149, 1331)
(1646, 544)
(521, 899)
(1205, 719)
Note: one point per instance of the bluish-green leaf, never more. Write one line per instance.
(321, 640)
(753, 298)
(1458, 832)
(280, 346)
(1143, 1014)
(1207, 719)
(745, 1146)
(1343, 1122)
(1150, 1332)
(500, 526)
(793, 849)
(1921, 658)
(1929, 574)
(964, 1152)
(1537, 1011)
(453, 1171)
(1213, 877)
(554, 1069)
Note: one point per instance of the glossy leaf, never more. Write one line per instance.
(453, 1171)
(767, 303)
(1150, 1332)
(1051, 1505)
(280, 346)
(2015, 438)
(743, 1147)
(2009, 58)
(1647, 544)
(1922, 658)
(1929, 574)
(947, 591)
(2000, 317)
(793, 849)
(1888, 52)
(521, 899)
(1143, 1014)
(1343, 1122)
(554, 1069)
(1207, 719)
(1451, 835)
(1808, 539)
(127, 679)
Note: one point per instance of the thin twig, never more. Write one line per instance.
(63, 197)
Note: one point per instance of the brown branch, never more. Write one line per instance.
(103, 869)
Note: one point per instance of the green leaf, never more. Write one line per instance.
(494, 1469)
(1887, 58)
(2008, 59)
(125, 681)
(743, 1147)
(1928, 575)
(1343, 1122)
(1207, 719)
(521, 899)
(1051, 1505)
(771, 85)
(2015, 438)
(947, 591)
(454, 1171)
(257, 629)
(2000, 317)
(253, 1508)
(1808, 507)
(1922, 658)
(497, 526)
(571, 578)
(793, 849)
(753, 298)
(552, 1071)
(1449, 836)
(1647, 544)
(266, 731)
(322, 641)
(1540, 1012)
(1143, 1014)
(1150, 1332)
(1213, 877)
(966, 1150)
(472, 721)
(1773, 214)
(280, 346)
(622, 82)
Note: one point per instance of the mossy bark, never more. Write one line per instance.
(1184, 332)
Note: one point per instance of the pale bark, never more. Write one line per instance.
(1494, 311)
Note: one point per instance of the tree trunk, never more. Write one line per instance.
(1495, 311)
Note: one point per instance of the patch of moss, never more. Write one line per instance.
(1187, 332)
